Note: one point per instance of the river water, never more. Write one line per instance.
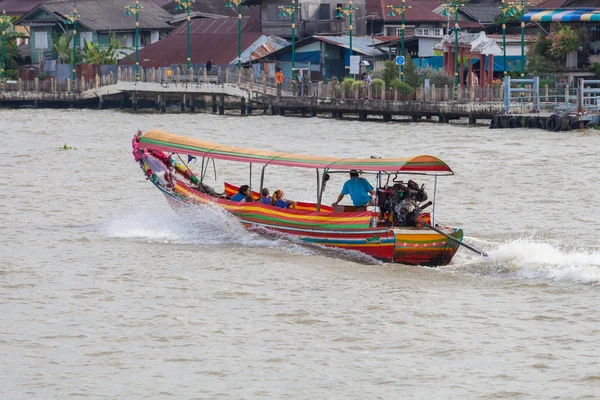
(105, 292)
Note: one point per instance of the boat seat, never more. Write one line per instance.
(339, 208)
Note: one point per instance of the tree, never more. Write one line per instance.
(97, 54)
(62, 47)
(390, 72)
(411, 75)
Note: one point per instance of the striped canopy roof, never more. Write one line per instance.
(170, 143)
(563, 15)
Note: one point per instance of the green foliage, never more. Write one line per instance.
(62, 47)
(411, 76)
(564, 41)
(547, 82)
(595, 67)
(11, 74)
(348, 83)
(390, 72)
(67, 147)
(437, 77)
(12, 55)
(106, 55)
(377, 83)
(403, 87)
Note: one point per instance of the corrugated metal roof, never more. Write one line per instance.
(416, 13)
(109, 15)
(483, 13)
(18, 7)
(216, 38)
(360, 44)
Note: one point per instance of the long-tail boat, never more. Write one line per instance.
(396, 230)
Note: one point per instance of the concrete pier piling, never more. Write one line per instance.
(214, 103)
(243, 106)
(221, 105)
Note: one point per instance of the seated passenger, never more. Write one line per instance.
(242, 193)
(265, 197)
(278, 200)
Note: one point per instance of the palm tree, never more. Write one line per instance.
(62, 47)
(97, 54)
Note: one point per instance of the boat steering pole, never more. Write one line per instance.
(468, 246)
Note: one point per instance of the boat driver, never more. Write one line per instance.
(359, 189)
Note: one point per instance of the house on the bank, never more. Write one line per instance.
(96, 21)
(313, 17)
(322, 56)
(16, 9)
(423, 28)
(209, 37)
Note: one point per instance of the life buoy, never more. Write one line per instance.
(530, 123)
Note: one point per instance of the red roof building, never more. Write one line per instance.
(216, 38)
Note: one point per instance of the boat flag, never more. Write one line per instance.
(190, 158)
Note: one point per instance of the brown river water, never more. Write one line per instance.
(106, 293)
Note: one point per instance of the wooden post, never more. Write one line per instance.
(251, 84)
(97, 81)
(177, 75)
(118, 73)
(471, 92)
(396, 94)
(546, 93)
(112, 77)
(432, 94)
(264, 82)
(446, 92)
(470, 72)
(36, 84)
(491, 71)
(310, 89)
(320, 89)
(369, 92)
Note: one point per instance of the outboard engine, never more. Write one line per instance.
(402, 203)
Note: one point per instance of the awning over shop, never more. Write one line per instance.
(563, 15)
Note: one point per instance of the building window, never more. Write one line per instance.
(41, 40)
(85, 37)
(438, 31)
(154, 36)
(324, 12)
(422, 31)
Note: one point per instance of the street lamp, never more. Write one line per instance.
(400, 10)
(237, 4)
(291, 10)
(72, 19)
(519, 9)
(505, 9)
(452, 8)
(187, 4)
(4, 23)
(131, 10)
(347, 11)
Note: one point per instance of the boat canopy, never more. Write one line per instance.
(171, 143)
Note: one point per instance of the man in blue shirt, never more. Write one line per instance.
(359, 189)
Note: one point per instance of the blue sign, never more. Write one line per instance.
(400, 60)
